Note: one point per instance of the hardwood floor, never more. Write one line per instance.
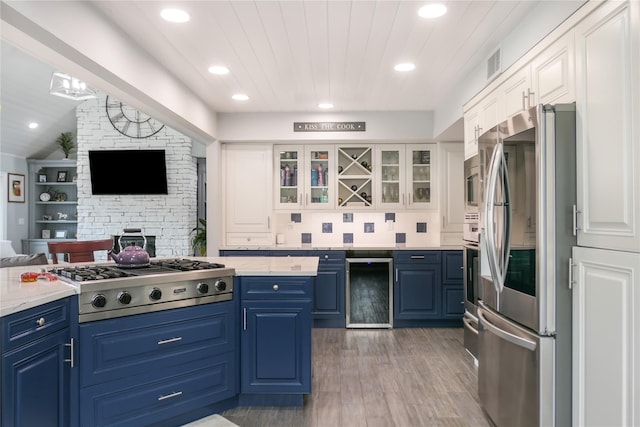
(381, 378)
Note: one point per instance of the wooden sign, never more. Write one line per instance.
(329, 126)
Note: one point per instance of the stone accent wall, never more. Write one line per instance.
(168, 217)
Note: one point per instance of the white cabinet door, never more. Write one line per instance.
(606, 338)
(452, 192)
(515, 92)
(289, 176)
(319, 182)
(552, 73)
(471, 132)
(490, 110)
(248, 194)
(421, 176)
(390, 169)
(608, 127)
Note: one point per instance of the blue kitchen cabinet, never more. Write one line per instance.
(163, 367)
(329, 290)
(452, 285)
(417, 289)
(275, 343)
(37, 366)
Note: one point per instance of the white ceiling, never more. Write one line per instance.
(286, 55)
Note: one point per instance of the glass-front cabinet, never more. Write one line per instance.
(319, 191)
(304, 177)
(391, 171)
(355, 177)
(289, 161)
(421, 173)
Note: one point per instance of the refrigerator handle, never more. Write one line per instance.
(514, 339)
(489, 218)
(506, 246)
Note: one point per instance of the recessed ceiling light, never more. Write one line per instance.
(325, 105)
(33, 125)
(433, 10)
(175, 15)
(240, 97)
(405, 66)
(218, 69)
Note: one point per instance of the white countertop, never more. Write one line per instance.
(16, 296)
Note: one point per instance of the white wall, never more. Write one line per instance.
(14, 216)
(278, 127)
(168, 217)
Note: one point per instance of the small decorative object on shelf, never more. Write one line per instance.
(42, 177)
(46, 234)
(62, 176)
(61, 234)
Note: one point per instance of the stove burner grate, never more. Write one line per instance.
(186, 264)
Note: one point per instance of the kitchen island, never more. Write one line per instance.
(166, 367)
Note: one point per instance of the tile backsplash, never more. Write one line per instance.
(358, 229)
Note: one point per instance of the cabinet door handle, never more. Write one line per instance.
(170, 340)
(71, 354)
(396, 275)
(244, 319)
(268, 222)
(40, 322)
(530, 97)
(300, 200)
(169, 396)
(417, 256)
(276, 288)
(524, 96)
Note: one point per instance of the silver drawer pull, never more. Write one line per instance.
(275, 288)
(169, 396)
(40, 321)
(417, 256)
(169, 340)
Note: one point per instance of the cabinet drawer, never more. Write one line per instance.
(249, 239)
(144, 400)
(423, 257)
(25, 326)
(243, 252)
(329, 257)
(285, 252)
(114, 349)
(275, 287)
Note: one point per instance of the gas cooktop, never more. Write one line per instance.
(108, 291)
(85, 273)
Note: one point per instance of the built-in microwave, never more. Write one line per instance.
(473, 181)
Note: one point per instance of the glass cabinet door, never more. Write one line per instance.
(289, 161)
(319, 194)
(421, 176)
(391, 176)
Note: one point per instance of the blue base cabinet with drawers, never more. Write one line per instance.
(152, 368)
(275, 342)
(37, 364)
(452, 285)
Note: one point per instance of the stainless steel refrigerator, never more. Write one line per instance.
(526, 235)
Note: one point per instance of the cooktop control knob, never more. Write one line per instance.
(155, 294)
(124, 297)
(99, 301)
(202, 288)
(220, 285)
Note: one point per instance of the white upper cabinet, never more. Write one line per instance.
(391, 184)
(479, 119)
(516, 92)
(355, 176)
(248, 194)
(421, 169)
(608, 127)
(552, 73)
(304, 177)
(451, 164)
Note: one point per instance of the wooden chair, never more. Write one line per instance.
(79, 251)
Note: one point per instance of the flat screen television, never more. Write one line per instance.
(121, 172)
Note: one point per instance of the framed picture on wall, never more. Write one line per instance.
(16, 188)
